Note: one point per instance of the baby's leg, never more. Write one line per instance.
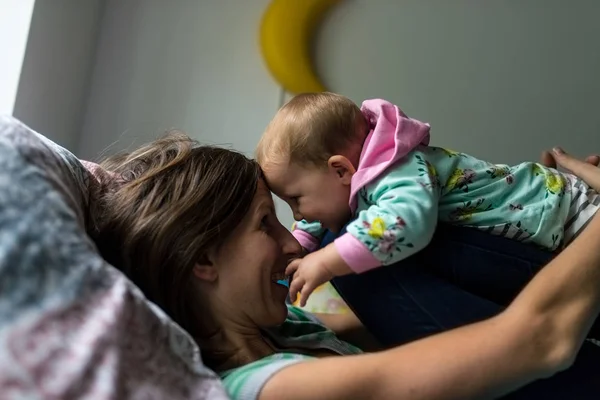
(584, 204)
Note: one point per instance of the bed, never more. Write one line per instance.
(72, 326)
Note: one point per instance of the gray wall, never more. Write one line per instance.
(54, 83)
(499, 79)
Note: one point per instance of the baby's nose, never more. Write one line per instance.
(298, 216)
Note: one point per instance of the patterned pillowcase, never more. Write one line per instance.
(72, 326)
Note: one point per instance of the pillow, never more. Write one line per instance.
(72, 326)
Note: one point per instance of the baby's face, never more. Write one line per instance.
(313, 194)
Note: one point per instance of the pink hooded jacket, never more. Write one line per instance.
(392, 136)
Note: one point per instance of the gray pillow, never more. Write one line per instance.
(72, 326)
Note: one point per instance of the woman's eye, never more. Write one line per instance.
(264, 223)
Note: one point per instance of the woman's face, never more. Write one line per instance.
(249, 264)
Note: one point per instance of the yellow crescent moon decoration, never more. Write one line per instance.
(286, 33)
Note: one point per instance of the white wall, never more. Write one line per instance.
(54, 83)
(15, 20)
(501, 80)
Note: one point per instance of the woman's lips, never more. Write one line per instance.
(278, 276)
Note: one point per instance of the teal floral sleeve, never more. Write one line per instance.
(398, 213)
(309, 234)
(313, 228)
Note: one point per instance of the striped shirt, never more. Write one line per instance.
(301, 330)
(585, 203)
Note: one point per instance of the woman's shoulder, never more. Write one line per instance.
(256, 368)
(301, 330)
(245, 382)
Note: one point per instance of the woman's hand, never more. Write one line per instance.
(547, 159)
(586, 170)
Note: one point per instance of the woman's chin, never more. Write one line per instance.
(278, 306)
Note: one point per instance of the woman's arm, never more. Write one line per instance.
(538, 335)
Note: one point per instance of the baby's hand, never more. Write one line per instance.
(314, 270)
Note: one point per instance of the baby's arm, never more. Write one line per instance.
(309, 234)
(401, 219)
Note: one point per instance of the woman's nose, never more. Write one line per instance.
(290, 246)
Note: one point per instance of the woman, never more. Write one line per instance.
(195, 228)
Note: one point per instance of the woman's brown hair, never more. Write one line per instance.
(176, 201)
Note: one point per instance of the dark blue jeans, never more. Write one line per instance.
(463, 276)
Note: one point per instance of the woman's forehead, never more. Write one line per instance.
(261, 202)
(263, 196)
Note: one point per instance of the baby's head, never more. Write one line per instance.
(309, 152)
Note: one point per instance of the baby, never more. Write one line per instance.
(332, 162)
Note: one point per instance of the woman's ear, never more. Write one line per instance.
(342, 167)
(205, 270)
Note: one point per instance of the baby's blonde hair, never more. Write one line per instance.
(310, 128)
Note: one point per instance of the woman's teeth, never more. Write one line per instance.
(278, 276)
(280, 279)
